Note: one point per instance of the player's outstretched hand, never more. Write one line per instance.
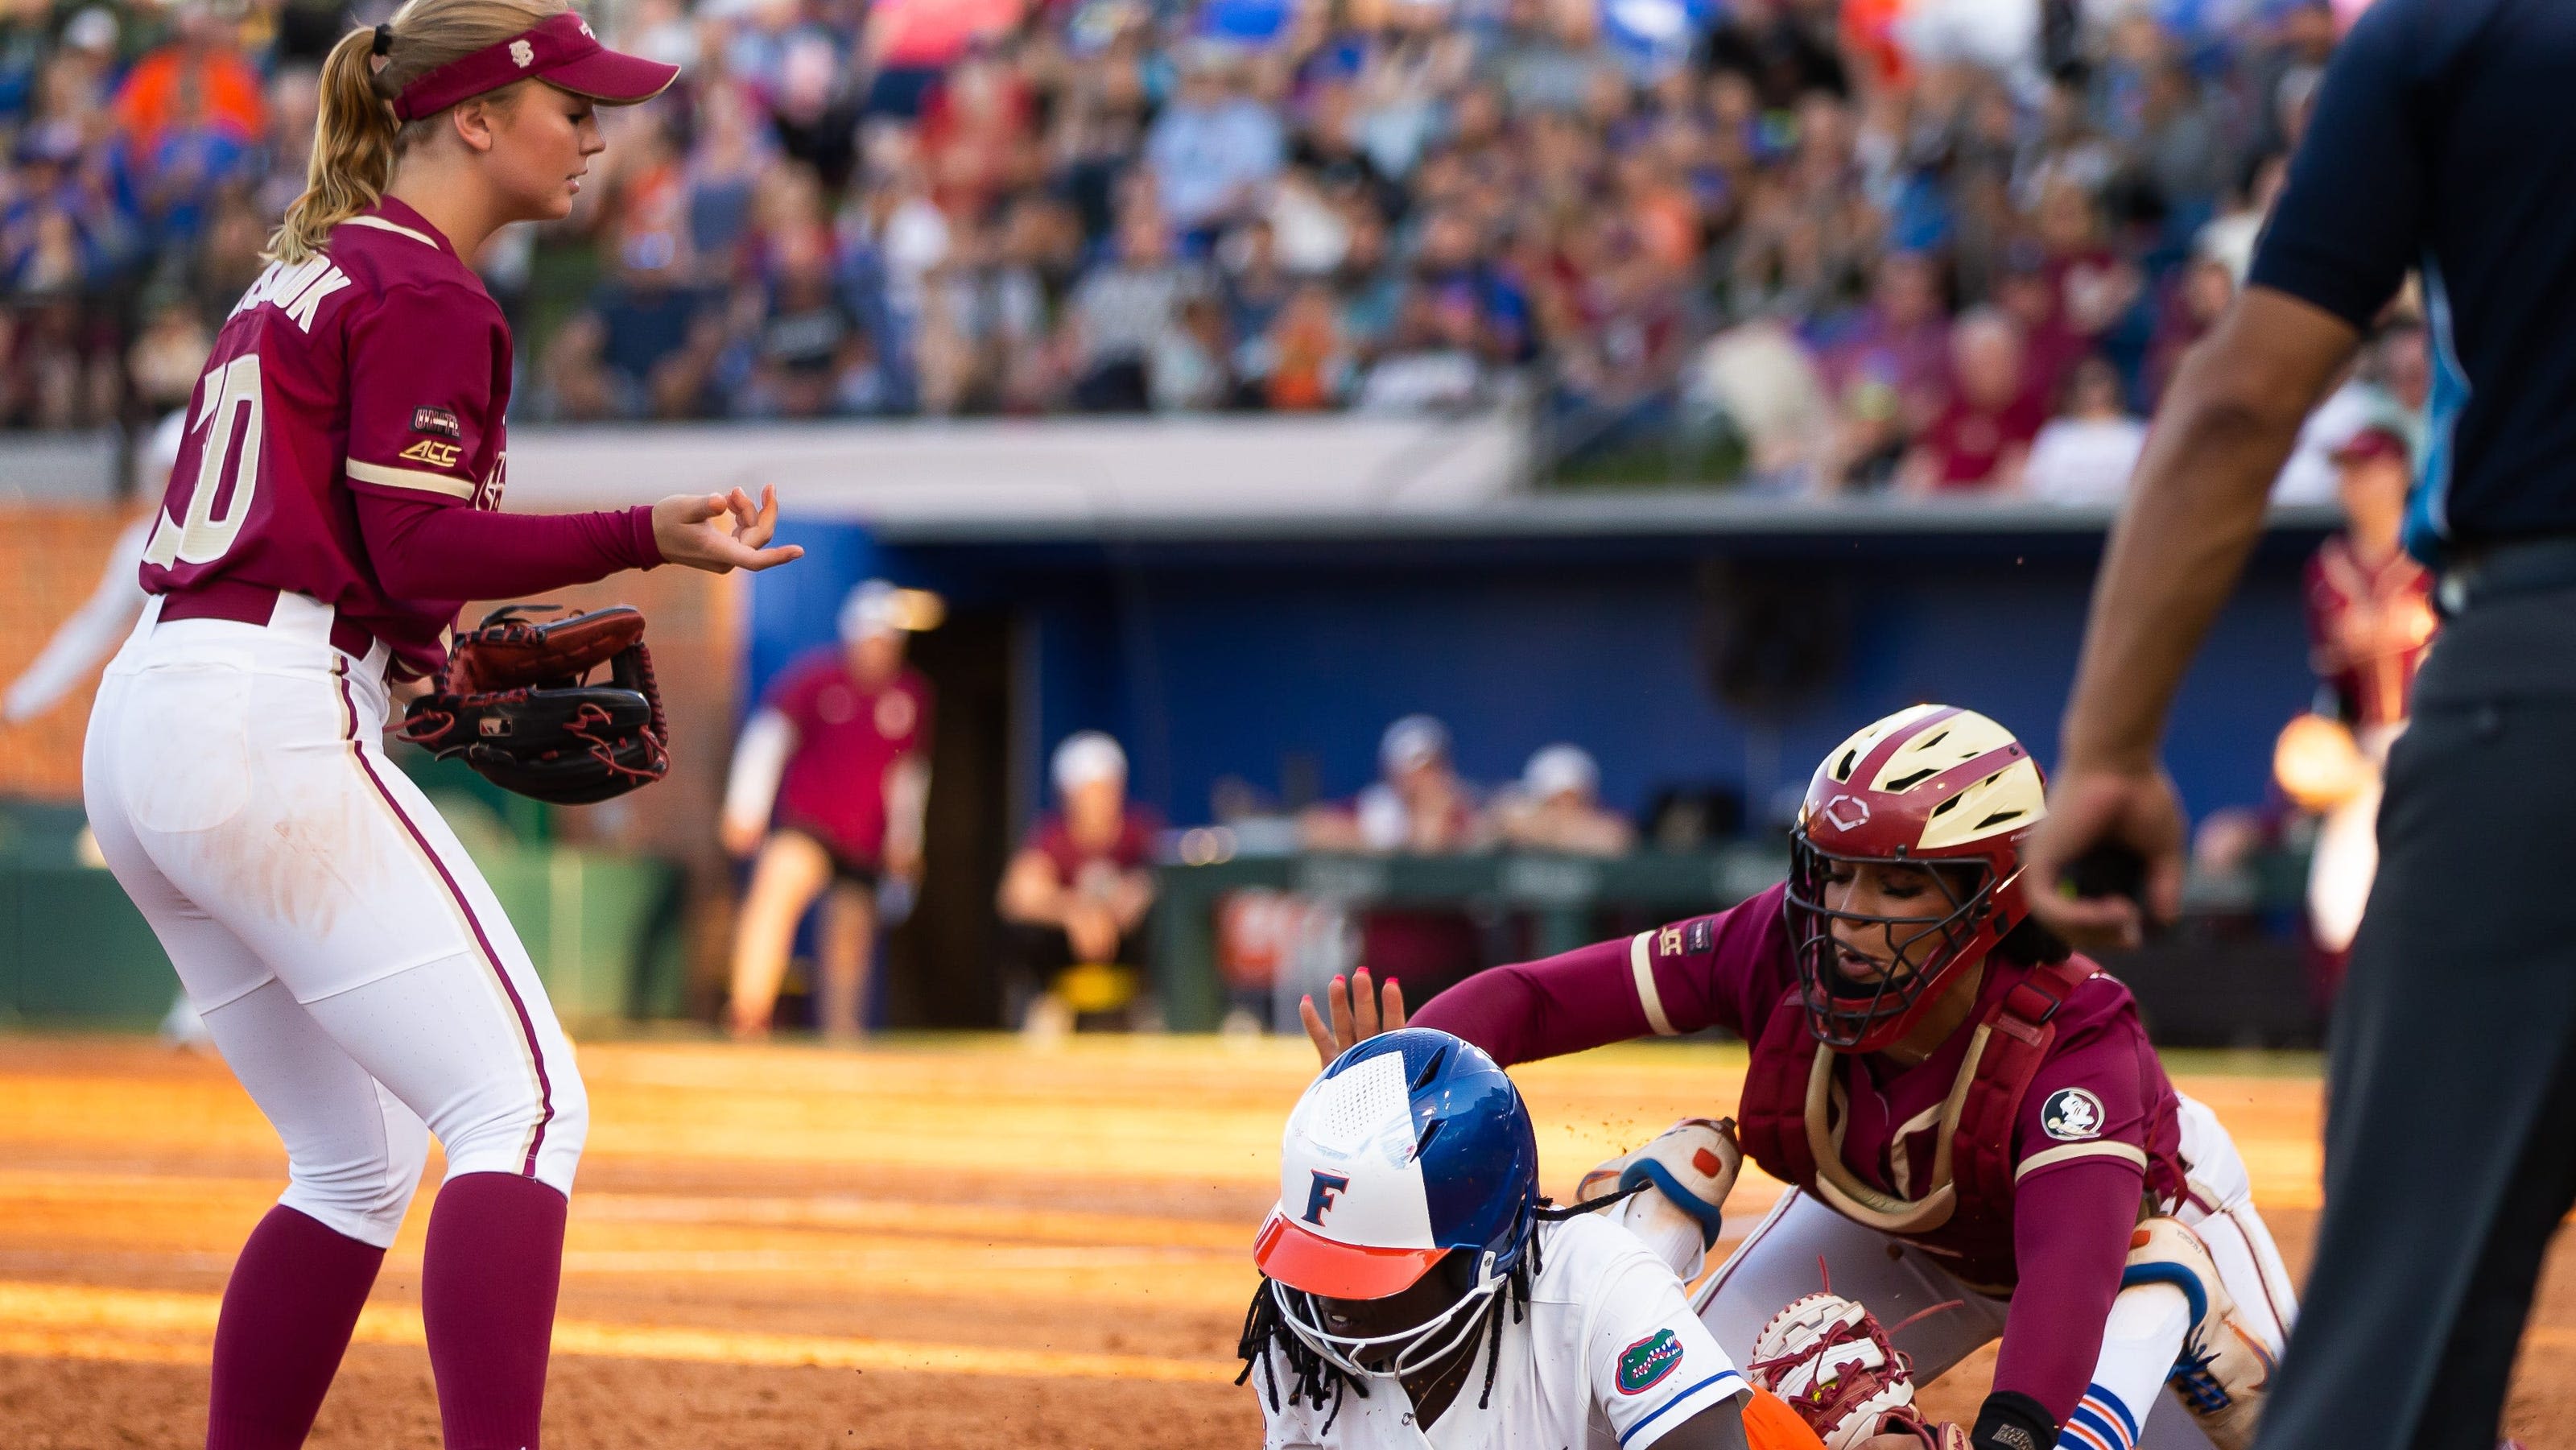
(2093, 808)
(1360, 1010)
(720, 532)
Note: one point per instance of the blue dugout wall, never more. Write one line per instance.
(1216, 658)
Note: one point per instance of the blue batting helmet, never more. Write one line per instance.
(1411, 1146)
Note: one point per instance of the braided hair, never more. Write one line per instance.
(1312, 1381)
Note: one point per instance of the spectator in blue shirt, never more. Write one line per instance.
(1212, 148)
(54, 239)
(651, 325)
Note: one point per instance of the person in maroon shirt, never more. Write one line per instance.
(1418, 806)
(332, 503)
(1076, 894)
(1981, 440)
(828, 788)
(1902, 335)
(1966, 1114)
(2370, 622)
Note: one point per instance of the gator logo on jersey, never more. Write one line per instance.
(1644, 1364)
(2071, 1115)
(431, 452)
(438, 421)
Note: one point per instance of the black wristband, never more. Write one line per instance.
(2011, 1420)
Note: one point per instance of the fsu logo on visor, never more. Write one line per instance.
(1321, 1193)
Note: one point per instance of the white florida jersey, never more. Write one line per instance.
(1608, 1357)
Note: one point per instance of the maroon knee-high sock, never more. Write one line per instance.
(293, 1298)
(487, 1297)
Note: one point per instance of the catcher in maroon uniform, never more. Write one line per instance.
(1978, 1139)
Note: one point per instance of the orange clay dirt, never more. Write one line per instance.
(928, 1244)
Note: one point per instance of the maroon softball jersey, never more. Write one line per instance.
(848, 736)
(2100, 1083)
(2369, 627)
(349, 422)
(1079, 867)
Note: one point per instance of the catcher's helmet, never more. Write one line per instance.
(1411, 1146)
(1933, 786)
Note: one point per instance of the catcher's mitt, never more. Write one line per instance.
(517, 705)
(1833, 1363)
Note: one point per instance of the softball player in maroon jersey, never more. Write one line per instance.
(331, 508)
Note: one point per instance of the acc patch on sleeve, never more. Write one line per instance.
(432, 452)
(2071, 1115)
(438, 421)
(1644, 1364)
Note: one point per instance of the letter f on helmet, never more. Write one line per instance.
(1321, 1193)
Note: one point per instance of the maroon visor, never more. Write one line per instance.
(562, 52)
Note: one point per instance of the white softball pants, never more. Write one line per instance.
(2346, 860)
(350, 963)
(2126, 1407)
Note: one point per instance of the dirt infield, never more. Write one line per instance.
(931, 1244)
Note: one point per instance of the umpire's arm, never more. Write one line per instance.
(2348, 227)
(2194, 513)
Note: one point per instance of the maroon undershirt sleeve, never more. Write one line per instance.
(1565, 1003)
(429, 548)
(2071, 1227)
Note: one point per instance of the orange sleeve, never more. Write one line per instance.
(235, 95)
(144, 99)
(1769, 1424)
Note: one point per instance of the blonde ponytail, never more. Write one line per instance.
(357, 138)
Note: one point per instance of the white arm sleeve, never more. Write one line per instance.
(759, 759)
(91, 634)
(1651, 1363)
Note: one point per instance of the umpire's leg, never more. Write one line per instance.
(2451, 1124)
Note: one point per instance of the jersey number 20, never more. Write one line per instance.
(230, 403)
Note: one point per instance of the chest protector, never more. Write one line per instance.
(1965, 1214)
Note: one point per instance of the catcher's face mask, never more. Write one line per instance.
(1877, 939)
(1905, 868)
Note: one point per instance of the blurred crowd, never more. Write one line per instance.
(1918, 244)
